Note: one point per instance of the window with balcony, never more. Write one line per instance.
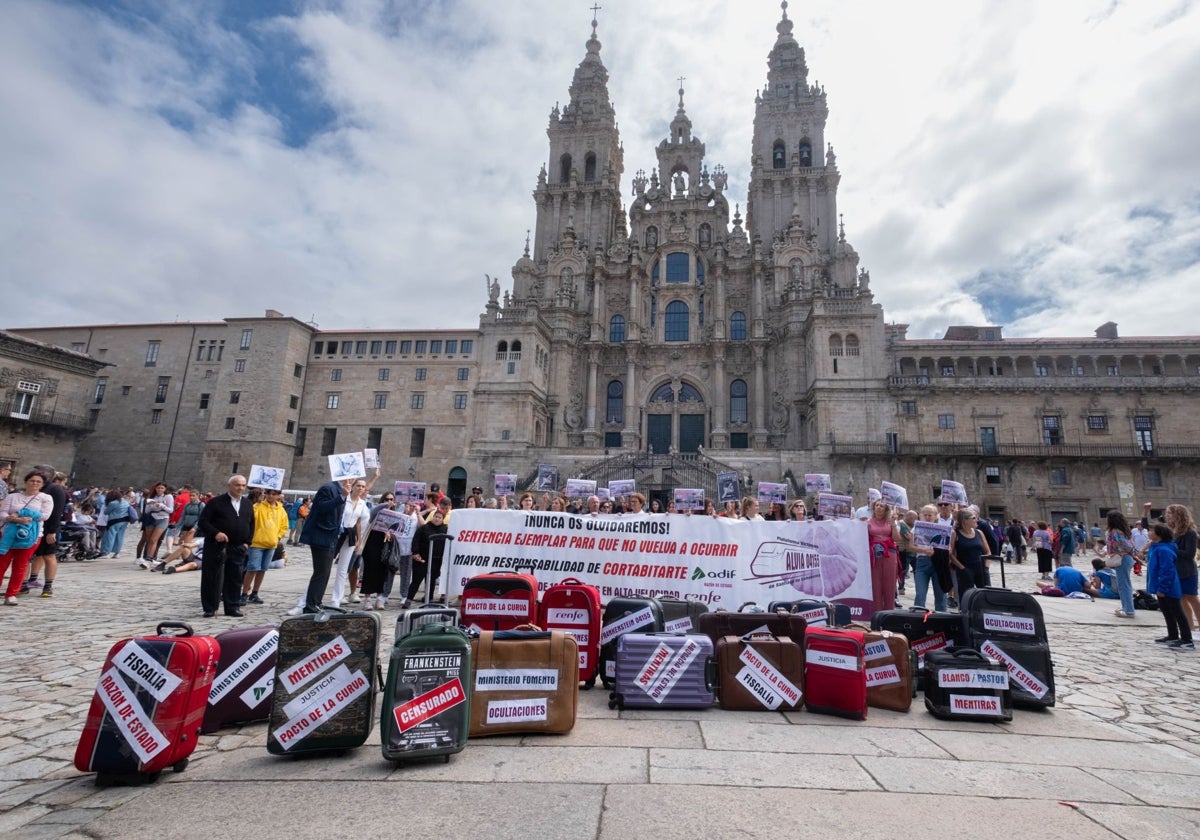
(1097, 422)
(1143, 429)
(1052, 430)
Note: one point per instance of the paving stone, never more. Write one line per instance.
(1140, 822)
(680, 812)
(30, 768)
(990, 778)
(11, 821)
(1170, 789)
(1067, 752)
(833, 740)
(631, 733)
(745, 769)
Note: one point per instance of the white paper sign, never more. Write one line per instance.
(883, 675)
(515, 711)
(347, 465)
(312, 666)
(831, 660)
(968, 704)
(495, 606)
(972, 678)
(131, 721)
(768, 673)
(237, 671)
(626, 624)
(331, 682)
(141, 668)
(371, 459)
(1023, 678)
(269, 478)
(876, 650)
(1024, 625)
(295, 730)
(516, 679)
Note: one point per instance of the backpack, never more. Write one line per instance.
(1143, 600)
(131, 515)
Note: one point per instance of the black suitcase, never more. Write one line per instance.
(1009, 627)
(427, 696)
(681, 615)
(963, 684)
(325, 682)
(925, 630)
(241, 691)
(994, 613)
(625, 615)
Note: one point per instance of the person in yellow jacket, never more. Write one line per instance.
(270, 526)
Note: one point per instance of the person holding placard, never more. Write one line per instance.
(925, 570)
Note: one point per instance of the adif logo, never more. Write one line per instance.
(700, 574)
(259, 691)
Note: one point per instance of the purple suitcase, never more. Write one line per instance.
(664, 671)
(241, 691)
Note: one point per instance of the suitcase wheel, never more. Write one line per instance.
(590, 684)
(179, 766)
(105, 780)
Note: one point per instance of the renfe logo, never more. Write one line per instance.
(559, 617)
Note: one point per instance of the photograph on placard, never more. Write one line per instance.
(770, 493)
(268, 478)
(729, 487)
(931, 534)
(603, 494)
(347, 465)
(410, 491)
(834, 505)
(622, 487)
(689, 498)
(393, 522)
(579, 488)
(817, 483)
(952, 491)
(371, 459)
(547, 477)
(894, 494)
(504, 485)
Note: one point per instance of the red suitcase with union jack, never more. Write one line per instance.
(148, 706)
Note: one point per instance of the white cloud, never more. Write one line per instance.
(1031, 162)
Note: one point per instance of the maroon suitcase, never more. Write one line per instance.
(145, 715)
(499, 601)
(241, 690)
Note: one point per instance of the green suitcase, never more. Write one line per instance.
(427, 696)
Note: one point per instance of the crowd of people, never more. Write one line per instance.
(235, 537)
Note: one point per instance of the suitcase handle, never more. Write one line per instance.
(756, 635)
(571, 581)
(742, 608)
(969, 653)
(710, 674)
(174, 625)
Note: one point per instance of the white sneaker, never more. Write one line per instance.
(356, 598)
(145, 564)
(380, 602)
(296, 611)
(10, 601)
(368, 603)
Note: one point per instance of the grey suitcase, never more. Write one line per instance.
(664, 671)
(681, 615)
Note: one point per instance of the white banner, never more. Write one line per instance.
(720, 562)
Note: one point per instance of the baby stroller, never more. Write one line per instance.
(73, 541)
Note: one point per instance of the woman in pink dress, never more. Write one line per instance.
(884, 536)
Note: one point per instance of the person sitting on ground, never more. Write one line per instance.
(187, 552)
(1104, 581)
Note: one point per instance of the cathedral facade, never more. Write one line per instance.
(666, 341)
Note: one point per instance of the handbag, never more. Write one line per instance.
(1113, 561)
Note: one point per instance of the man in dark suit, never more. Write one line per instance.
(321, 531)
(227, 525)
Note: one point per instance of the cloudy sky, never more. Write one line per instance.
(364, 163)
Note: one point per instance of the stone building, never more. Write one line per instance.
(665, 342)
(45, 392)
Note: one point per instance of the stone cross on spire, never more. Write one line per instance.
(595, 9)
(681, 81)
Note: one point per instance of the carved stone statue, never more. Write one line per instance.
(573, 416)
(493, 289)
